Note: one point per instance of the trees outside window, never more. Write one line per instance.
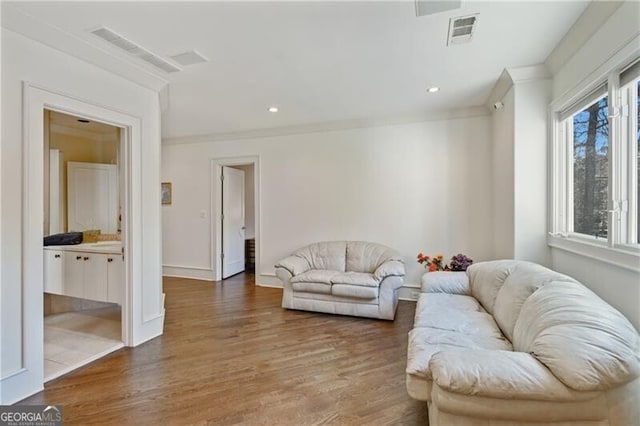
(591, 169)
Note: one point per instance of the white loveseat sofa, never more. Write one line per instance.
(343, 277)
(513, 343)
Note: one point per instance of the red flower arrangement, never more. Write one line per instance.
(459, 262)
(431, 263)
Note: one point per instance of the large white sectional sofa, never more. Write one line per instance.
(513, 343)
(343, 277)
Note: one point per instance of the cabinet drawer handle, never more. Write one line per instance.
(78, 257)
(86, 258)
(56, 256)
(110, 259)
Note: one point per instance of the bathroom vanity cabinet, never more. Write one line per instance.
(87, 271)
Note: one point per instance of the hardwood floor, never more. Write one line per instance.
(231, 355)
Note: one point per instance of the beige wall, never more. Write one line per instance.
(84, 148)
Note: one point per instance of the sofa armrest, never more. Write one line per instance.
(389, 268)
(499, 374)
(446, 282)
(294, 264)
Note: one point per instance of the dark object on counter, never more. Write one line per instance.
(66, 239)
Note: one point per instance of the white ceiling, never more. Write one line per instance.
(318, 62)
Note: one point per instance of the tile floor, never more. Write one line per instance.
(73, 339)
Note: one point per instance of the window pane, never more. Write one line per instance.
(591, 169)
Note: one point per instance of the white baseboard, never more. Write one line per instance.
(409, 292)
(188, 272)
(268, 280)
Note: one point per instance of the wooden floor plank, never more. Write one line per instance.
(231, 355)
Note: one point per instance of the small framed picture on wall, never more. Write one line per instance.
(166, 192)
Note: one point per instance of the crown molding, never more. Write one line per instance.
(475, 111)
(513, 76)
(22, 23)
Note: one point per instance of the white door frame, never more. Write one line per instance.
(35, 100)
(216, 207)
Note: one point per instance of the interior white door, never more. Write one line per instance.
(232, 221)
(92, 200)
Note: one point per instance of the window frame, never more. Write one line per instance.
(629, 140)
(620, 248)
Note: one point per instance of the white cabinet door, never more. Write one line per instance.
(53, 271)
(92, 198)
(115, 279)
(95, 276)
(73, 283)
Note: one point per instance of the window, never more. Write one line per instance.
(596, 166)
(591, 169)
(630, 152)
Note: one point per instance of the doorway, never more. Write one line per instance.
(142, 317)
(236, 212)
(84, 282)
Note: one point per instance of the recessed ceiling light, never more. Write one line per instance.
(82, 120)
(273, 109)
(433, 89)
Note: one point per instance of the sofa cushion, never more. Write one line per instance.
(326, 255)
(524, 279)
(425, 342)
(486, 279)
(314, 281)
(454, 282)
(356, 291)
(428, 302)
(585, 342)
(312, 287)
(479, 324)
(355, 278)
(366, 257)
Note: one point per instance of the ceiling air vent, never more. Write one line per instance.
(461, 29)
(189, 58)
(134, 50)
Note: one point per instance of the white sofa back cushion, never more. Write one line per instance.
(585, 342)
(486, 280)
(366, 257)
(525, 278)
(329, 255)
